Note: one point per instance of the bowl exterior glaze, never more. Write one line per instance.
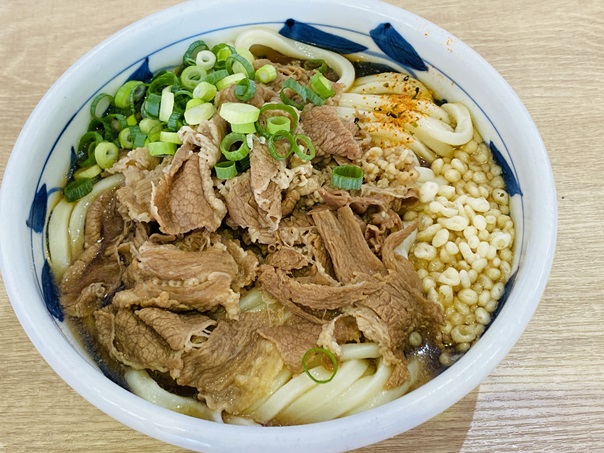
(370, 30)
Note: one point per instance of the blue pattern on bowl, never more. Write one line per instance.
(300, 31)
(394, 47)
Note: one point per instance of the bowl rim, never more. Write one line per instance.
(343, 433)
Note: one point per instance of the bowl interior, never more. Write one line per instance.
(370, 32)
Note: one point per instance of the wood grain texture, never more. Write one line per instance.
(546, 396)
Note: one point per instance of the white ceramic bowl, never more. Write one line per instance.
(454, 71)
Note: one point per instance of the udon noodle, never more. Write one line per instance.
(286, 264)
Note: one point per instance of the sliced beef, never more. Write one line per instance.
(262, 95)
(96, 274)
(235, 367)
(287, 259)
(200, 280)
(345, 243)
(184, 199)
(329, 133)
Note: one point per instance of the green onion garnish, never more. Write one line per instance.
(204, 91)
(166, 106)
(310, 148)
(318, 64)
(280, 136)
(190, 56)
(293, 115)
(320, 85)
(86, 147)
(278, 123)
(87, 172)
(128, 94)
(159, 149)
(191, 76)
(105, 154)
(197, 112)
(77, 189)
(206, 59)
(236, 113)
(247, 128)
(303, 92)
(170, 137)
(161, 81)
(100, 105)
(231, 79)
(311, 354)
(245, 89)
(125, 138)
(236, 63)
(151, 105)
(266, 74)
(347, 177)
(214, 77)
(225, 170)
(233, 139)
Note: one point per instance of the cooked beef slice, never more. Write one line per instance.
(345, 243)
(262, 95)
(184, 198)
(181, 331)
(132, 342)
(96, 274)
(200, 280)
(314, 296)
(287, 259)
(235, 367)
(328, 132)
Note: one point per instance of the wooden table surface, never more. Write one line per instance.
(546, 396)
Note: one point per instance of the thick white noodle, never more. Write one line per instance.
(59, 247)
(142, 385)
(360, 392)
(352, 351)
(323, 394)
(389, 83)
(296, 49)
(78, 215)
(385, 396)
(442, 132)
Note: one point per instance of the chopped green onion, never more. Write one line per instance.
(105, 154)
(232, 139)
(347, 177)
(139, 139)
(148, 124)
(245, 89)
(318, 64)
(125, 138)
(222, 52)
(236, 113)
(174, 122)
(198, 113)
(131, 120)
(167, 104)
(191, 76)
(194, 49)
(238, 64)
(151, 105)
(247, 128)
(266, 74)
(216, 76)
(296, 88)
(284, 108)
(158, 149)
(128, 94)
(278, 123)
(229, 80)
(310, 148)
(170, 137)
(161, 81)
(86, 147)
(100, 105)
(114, 124)
(181, 97)
(243, 164)
(204, 91)
(77, 189)
(206, 59)
(87, 172)
(311, 354)
(278, 136)
(320, 85)
(225, 170)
